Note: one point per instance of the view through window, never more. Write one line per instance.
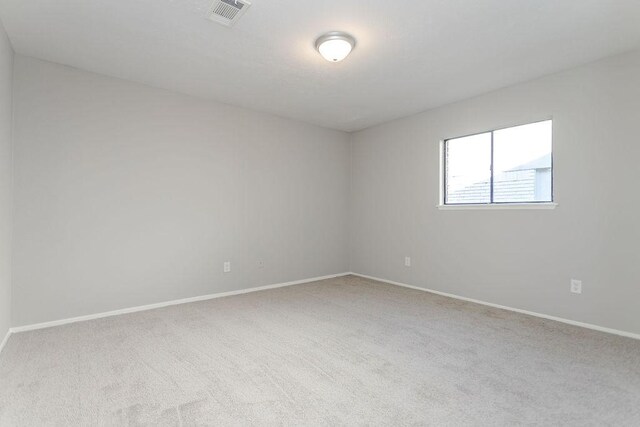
(511, 165)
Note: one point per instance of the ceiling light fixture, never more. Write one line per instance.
(335, 46)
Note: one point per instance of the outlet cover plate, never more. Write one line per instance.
(576, 286)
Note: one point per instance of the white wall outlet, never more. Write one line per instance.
(260, 264)
(226, 267)
(407, 261)
(576, 286)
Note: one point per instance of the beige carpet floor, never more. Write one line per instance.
(341, 351)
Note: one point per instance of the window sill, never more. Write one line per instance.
(549, 205)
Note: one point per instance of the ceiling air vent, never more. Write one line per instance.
(227, 12)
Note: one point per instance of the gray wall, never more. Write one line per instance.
(519, 258)
(6, 197)
(128, 195)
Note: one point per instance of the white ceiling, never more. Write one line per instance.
(412, 55)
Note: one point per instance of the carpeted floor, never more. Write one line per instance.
(340, 351)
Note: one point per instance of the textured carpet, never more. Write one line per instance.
(340, 351)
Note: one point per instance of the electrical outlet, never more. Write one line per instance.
(260, 264)
(407, 261)
(226, 267)
(576, 286)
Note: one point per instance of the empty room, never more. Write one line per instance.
(281, 212)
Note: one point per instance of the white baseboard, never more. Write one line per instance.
(298, 282)
(5, 339)
(504, 307)
(165, 304)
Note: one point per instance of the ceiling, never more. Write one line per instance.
(412, 55)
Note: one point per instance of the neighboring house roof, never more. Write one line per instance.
(543, 162)
(517, 184)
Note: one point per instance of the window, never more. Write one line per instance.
(511, 165)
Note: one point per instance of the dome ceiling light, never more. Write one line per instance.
(335, 46)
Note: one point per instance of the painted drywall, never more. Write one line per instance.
(518, 258)
(6, 187)
(127, 195)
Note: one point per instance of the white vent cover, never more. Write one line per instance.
(227, 12)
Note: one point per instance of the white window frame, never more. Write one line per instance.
(503, 205)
